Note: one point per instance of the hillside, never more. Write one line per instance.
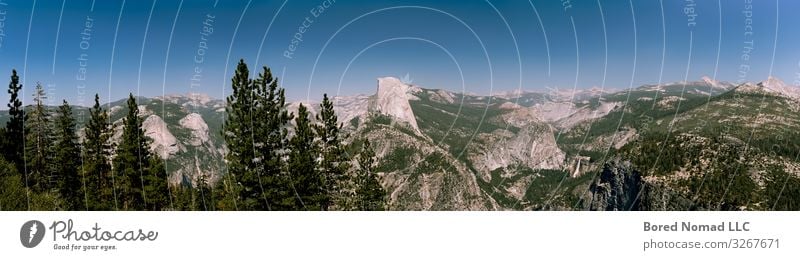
(700, 145)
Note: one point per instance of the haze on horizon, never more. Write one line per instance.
(76, 48)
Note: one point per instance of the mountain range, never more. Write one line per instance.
(655, 147)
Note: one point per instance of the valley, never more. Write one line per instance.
(701, 145)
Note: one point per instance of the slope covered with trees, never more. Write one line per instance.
(276, 160)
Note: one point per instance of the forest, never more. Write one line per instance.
(48, 163)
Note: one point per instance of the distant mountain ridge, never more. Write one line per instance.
(444, 150)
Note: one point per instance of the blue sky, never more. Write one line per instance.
(463, 45)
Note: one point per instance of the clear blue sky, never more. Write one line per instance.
(43, 42)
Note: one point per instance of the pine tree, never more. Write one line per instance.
(156, 186)
(241, 180)
(271, 139)
(97, 187)
(131, 160)
(202, 194)
(370, 194)
(334, 165)
(38, 144)
(305, 180)
(141, 177)
(67, 153)
(13, 143)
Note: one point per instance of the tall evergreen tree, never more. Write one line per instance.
(271, 140)
(202, 194)
(241, 180)
(334, 165)
(131, 160)
(370, 195)
(156, 186)
(38, 144)
(67, 153)
(97, 190)
(305, 179)
(14, 139)
(141, 178)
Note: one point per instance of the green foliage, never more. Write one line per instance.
(270, 142)
(13, 139)
(156, 188)
(546, 189)
(781, 190)
(202, 194)
(381, 119)
(397, 159)
(634, 113)
(46, 200)
(370, 195)
(784, 144)
(238, 131)
(39, 167)
(659, 153)
(454, 124)
(337, 184)
(724, 183)
(307, 182)
(141, 177)
(225, 194)
(13, 195)
(130, 161)
(268, 170)
(354, 123)
(723, 189)
(97, 176)
(67, 154)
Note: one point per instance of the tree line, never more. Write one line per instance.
(279, 160)
(276, 159)
(46, 166)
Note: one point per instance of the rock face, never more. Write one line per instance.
(442, 150)
(418, 175)
(772, 86)
(716, 84)
(392, 100)
(618, 188)
(195, 122)
(777, 86)
(565, 115)
(533, 146)
(185, 133)
(164, 143)
(349, 108)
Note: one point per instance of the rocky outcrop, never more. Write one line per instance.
(198, 126)
(621, 188)
(565, 115)
(533, 146)
(618, 187)
(164, 142)
(351, 107)
(392, 100)
(772, 86)
(418, 175)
